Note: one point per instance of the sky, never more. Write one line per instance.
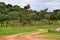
(36, 4)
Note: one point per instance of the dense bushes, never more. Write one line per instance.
(24, 16)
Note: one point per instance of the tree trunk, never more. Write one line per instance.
(1, 24)
(49, 22)
(7, 23)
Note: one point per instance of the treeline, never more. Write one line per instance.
(15, 15)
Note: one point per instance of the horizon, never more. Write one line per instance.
(36, 4)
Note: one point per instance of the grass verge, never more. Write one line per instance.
(50, 35)
(15, 30)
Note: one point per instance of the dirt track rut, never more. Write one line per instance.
(28, 36)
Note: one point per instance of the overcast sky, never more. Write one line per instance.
(36, 4)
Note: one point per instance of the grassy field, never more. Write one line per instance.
(21, 29)
(50, 35)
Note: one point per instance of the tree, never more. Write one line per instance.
(8, 6)
(55, 13)
(2, 19)
(43, 14)
(15, 8)
(27, 7)
(2, 6)
(48, 16)
(13, 16)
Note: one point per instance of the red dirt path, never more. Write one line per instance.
(28, 36)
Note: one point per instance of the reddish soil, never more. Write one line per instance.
(29, 36)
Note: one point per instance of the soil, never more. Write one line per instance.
(29, 36)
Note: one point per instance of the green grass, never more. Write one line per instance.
(51, 35)
(15, 30)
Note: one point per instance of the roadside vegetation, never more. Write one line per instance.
(25, 29)
(14, 19)
(14, 15)
(50, 35)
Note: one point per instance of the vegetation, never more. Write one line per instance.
(25, 29)
(16, 30)
(50, 35)
(17, 16)
(26, 19)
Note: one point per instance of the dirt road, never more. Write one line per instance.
(29, 36)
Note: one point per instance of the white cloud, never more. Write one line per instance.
(56, 0)
(36, 4)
